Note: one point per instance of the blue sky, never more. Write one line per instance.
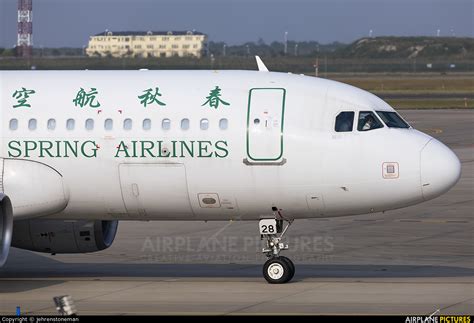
(69, 23)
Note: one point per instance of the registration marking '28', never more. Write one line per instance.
(267, 226)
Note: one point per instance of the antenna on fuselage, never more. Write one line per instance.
(261, 65)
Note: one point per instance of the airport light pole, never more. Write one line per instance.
(213, 59)
(316, 67)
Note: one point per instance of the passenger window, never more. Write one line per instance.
(32, 124)
(51, 124)
(108, 124)
(13, 124)
(185, 124)
(70, 124)
(344, 121)
(89, 124)
(368, 121)
(223, 124)
(166, 124)
(204, 124)
(127, 124)
(146, 124)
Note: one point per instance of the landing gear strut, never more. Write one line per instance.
(277, 269)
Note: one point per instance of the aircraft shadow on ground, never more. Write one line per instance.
(82, 270)
(28, 265)
(13, 286)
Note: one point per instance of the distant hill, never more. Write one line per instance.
(274, 49)
(408, 47)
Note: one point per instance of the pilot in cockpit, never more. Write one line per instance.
(369, 122)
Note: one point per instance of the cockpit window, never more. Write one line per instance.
(368, 121)
(344, 121)
(392, 119)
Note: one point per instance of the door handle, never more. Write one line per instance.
(135, 190)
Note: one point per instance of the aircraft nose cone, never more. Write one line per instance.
(440, 169)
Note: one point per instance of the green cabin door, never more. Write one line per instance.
(265, 119)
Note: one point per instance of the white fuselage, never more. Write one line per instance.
(269, 142)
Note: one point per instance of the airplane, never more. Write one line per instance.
(83, 150)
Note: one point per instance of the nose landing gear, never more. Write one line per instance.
(277, 269)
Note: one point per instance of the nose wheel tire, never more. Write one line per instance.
(291, 264)
(277, 270)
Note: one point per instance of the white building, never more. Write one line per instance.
(147, 44)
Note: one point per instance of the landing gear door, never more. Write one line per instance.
(265, 121)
